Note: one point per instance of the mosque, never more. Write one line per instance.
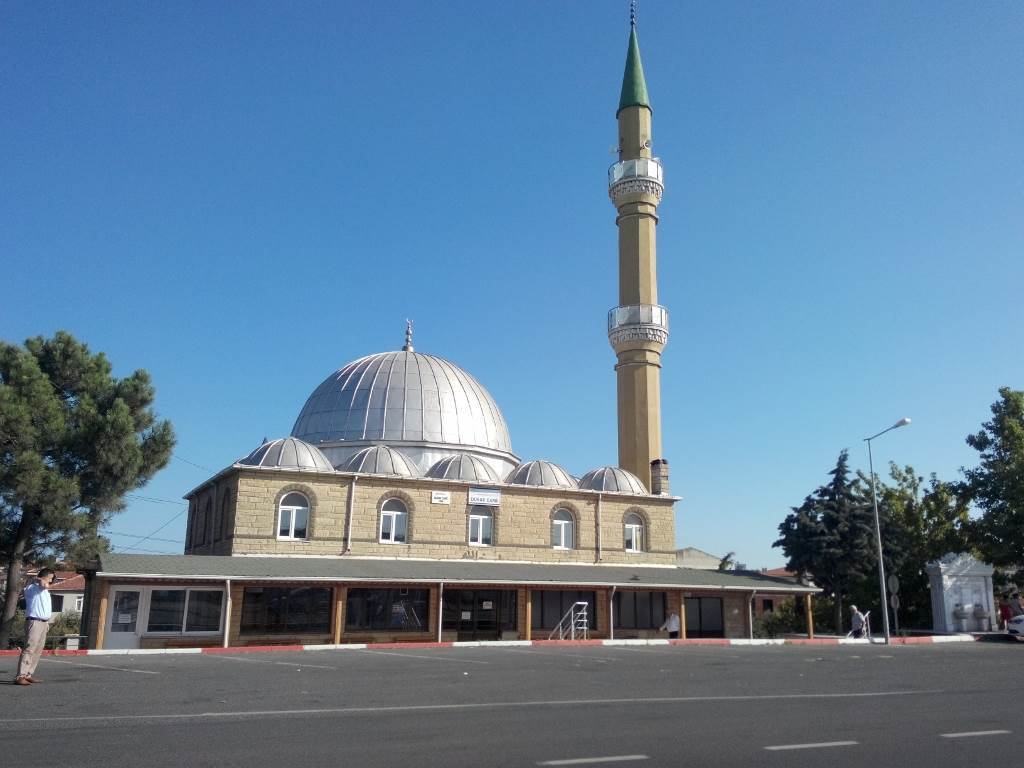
(397, 509)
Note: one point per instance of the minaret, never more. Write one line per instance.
(638, 327)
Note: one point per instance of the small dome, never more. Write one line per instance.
(288, 453)
(380, 460)
(612, 480)
(463, 467)
(541, 473)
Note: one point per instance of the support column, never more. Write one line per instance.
(528, 629)
(682, 615)
(810, 616)
(339, 613)
(101, 620)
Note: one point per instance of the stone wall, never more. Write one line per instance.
(521, 525)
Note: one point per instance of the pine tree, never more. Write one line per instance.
(830, 536)
(73, 440)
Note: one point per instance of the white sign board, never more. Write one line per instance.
(485, 497)
(440, 497)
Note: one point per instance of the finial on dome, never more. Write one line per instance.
(408, 337)
(632, 13)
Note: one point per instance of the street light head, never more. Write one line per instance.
(902, 422)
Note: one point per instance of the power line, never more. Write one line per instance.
(148, 551)
(197, 466)
(153, 498)
(154, 533)
(152, 539)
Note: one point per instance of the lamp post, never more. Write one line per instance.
(878, 528)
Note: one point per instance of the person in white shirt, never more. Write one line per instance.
(37, 621)
(856, 621)
(672, 625)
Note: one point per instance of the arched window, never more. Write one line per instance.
(481, 522)
(562, 533)
(293, 517)
(394, 522)
(633, 533)
(225, 515)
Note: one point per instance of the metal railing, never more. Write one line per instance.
(574, 625)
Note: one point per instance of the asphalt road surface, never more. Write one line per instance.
(932, 705)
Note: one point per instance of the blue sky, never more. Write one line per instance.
(242, 197)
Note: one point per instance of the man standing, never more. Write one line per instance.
(672, 625)
(37, 622)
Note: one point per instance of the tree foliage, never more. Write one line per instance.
(921, 521)
(830, 536)
(996, 485)
(73, 440)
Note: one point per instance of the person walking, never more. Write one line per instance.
(672, 625)
(37, 621)
(856, 621)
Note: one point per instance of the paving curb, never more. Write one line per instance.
(695, 642)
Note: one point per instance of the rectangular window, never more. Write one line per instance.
(79, 601)
(480, 530)
(704, 617)
(269, 610)
(639, 610)
(166, 610)
(393, 527)
(393, 610)
(56, 603)
(185, 610)
(561, 534)
(767, 606)
(550, 605)
(633, 534)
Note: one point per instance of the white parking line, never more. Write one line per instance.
(972, 733)
(432, 658)
(277, 663)
(102, 666)
(560, 653)
(407, 708)
(819, 745)
(591, 760)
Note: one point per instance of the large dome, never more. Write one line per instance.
(411, 401)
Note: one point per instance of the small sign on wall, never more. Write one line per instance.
(485, 497)
(440, 497)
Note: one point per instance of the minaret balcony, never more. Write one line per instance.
(646, 323)
(643, 176)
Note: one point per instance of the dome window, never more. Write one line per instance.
(633, 533)
(394, 522)
(293, 517)
(481, 524)
(562, 529)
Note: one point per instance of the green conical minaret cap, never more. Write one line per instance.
(634, 88)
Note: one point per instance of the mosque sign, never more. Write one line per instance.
(484, 497)
(440, 497)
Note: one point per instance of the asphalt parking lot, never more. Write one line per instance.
(523, 706)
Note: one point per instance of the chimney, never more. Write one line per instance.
(659, 477)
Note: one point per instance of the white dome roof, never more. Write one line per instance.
(463, 467)
(288, 453)
(381, 460)
(405, 397)
(612, 480)
(541, 473)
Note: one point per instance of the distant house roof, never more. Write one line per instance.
(691, 557)
(332, 569)
(780, 572)
(65, 581)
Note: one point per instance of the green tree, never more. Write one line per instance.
(728, 562)
(996, 485)
(920, 523)
(830, 536)
(73, 440)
